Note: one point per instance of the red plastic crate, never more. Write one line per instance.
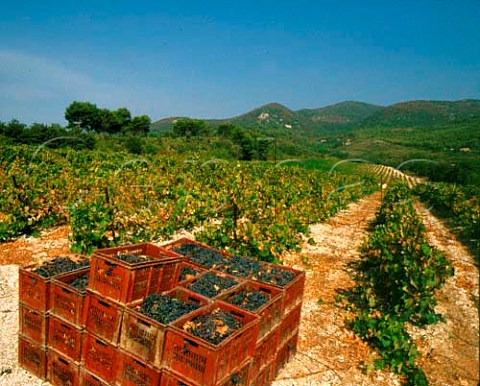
(264, 352)
(33, 324)
(103, 317)
(133, 371)
(239, 280)
(66, 301)
(286, 352)
(270, 313)
(238, 377)
(62, 371)
(88, 379)
(170, 378)
(100, 357)
(34, 290)
(289, 324)
(124, 282)
(65, 338)
(293, 291)
(143, 336)
(186, 264)
(32, 357)
(202, 362)
(266, 375)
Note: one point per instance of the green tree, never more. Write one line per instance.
(84, 115)
(226, 130)
(140, 125)
(186, 127)
(14, 129)
(121, 119)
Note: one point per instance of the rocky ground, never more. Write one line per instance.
(328, 353)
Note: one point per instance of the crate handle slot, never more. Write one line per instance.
(139, 363)
(65, 326)
(145, 323)
(237, 314)
(190, 342)
(110, 264)
(99, 342)
(103, 303)
(266, 290)
(66, 290)
(193, 300)
(63, 361)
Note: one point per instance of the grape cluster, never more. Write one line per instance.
(81, 282)
(131, 258)
(188, 272)
(213, 327)
(274, 275)
(240, 266)
(205, 257)
(165, 309)
(210, 284)
(249, 299)
(60, 265)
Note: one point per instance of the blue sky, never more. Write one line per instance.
(216, 59)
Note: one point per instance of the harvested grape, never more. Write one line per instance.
(210, 284)
(205, 257)
(165, 309)
(188, 273)
(250, 300)
(60, 265)
(240, 266)
(213, 327)
(274, 275)
(80, 283)
(131, 258)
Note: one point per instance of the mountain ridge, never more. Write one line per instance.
(346, 115)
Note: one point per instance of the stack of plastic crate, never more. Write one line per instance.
(39, 348)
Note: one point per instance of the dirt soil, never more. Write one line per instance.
(328, 353)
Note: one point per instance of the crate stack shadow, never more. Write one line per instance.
(96, 334)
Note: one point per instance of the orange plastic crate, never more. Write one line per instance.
(286, 352)
(265, 377)
(103, 317)
(270, 313)
(265, 351)
(32, 357)
(33, 324)
(134, 371)
(289, 324)
(65, 338)
(62, 371)
(88, 379)
(100, 357)
(124, 282)
(143, 336)
(202, 362)
(66, 301)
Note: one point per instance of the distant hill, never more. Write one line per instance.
(339, 115)
(423, 113)
(347, 115)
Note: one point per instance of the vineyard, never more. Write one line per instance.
(377, 304)
(111, 199)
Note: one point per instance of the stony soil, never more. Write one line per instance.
(328, 353)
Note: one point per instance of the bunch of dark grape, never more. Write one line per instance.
(205, 257)
(188, 272)
(240, 266)
(60, 265)
(81, 282)
(131, 258)
(250, 299)
(274, 275)
(165, 309)
(213, 327)
(210, 284)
